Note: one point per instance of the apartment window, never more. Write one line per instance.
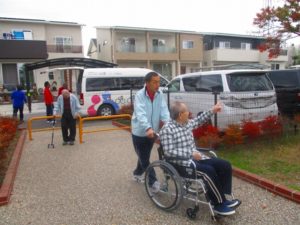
(224, 44)
(187, 44)
(246, 46)
(275, 66)
(63, 44)
(158, 45)
(128, 44)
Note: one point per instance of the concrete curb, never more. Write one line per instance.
(278, 189)
(8, 182)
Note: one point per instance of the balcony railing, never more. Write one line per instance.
(142, 49)
(163, 49)
(64, 48)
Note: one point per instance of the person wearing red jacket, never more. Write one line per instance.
(48, 99)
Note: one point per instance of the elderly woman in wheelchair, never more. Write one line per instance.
(184, 171)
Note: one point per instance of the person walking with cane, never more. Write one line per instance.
(68, 106)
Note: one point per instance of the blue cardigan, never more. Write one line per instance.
(147, 113)
(74, 103)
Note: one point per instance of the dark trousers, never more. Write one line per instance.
(49, 111)
(217, 176)
(68, 127)
(143, 147)
(15, 112)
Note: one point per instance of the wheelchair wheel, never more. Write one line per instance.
(170, 193)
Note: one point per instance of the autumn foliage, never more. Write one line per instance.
(233, 135)
(271, 126)
(207, 136)
(126, 109)
(278, 24)
(250, 129)
(8, 128)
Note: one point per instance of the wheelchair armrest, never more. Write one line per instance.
(208, 151)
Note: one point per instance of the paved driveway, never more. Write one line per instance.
(90, 184)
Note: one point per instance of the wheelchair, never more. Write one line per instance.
(178, 183)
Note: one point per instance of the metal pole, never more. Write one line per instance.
(28, 88)
(215, 115)
(168, 99)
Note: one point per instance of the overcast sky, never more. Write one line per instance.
(222, 16)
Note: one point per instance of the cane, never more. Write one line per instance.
(51, 145)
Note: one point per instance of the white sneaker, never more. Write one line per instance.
(139, 178)
(155, 187)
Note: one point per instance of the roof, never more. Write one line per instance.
(145, 29)
(76, 61)
(23, 20)
(231, 35)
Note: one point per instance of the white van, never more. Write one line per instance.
(245, 94)
(103, 91)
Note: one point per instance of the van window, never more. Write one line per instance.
(249, 82)
(284, 79)
(210, 83)
(127, 83)
(102, 84)
(174, 86)
(163, 82)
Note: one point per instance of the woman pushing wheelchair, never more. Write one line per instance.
(177, 140)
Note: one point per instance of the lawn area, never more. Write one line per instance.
(276, 159)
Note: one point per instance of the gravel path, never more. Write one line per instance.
(90, 184)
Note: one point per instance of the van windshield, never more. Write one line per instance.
(248, 82)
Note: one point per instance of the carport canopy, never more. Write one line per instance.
(76, 61)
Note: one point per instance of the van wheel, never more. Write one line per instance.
(105, 110)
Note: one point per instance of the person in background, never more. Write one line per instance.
(178, 144)
(48, 99)
(64, 86)
(68, 106)
(150, 108)
(19, 99)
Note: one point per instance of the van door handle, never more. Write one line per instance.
(178, 97)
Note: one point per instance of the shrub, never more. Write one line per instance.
(250, 129)
(126, 109)
(233, 135)
(271, 126)
(8, 128)
(207, 136)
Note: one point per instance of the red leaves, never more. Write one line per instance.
(271, 126)
(278, 25)
(207, 136)
(8, 128)
(250, 129)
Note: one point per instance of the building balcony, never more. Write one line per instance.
(64, 48)
(23, 49)
(233, 55)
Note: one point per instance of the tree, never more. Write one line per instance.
(278, 25)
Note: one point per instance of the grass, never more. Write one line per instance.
(276, 159)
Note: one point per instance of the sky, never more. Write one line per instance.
(221, 16)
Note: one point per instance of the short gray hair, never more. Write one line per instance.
(149, 76)
(175, 109)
